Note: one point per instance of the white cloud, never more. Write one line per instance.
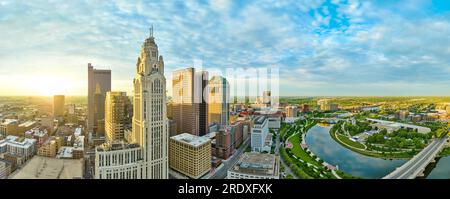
(376, 43)
(220, 5)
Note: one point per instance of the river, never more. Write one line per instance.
(320, 143)
(441, 169)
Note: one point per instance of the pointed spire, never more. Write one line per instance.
(151, 31)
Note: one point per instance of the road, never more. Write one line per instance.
(277, 144)
(418, 162)
(222, 172)
(89, 163)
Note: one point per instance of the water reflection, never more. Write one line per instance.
(320, 142)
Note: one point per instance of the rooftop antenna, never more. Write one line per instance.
(151, 31)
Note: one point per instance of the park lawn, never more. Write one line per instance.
(369, 153)
(299, 152)
(347, 140)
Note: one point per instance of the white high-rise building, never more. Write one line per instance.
(147, 158)
(259, 134)
(150, 124)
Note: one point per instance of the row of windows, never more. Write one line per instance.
(125, 173)
(120, 158)
(245, 176)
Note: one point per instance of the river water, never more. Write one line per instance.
(320, 143)
(441, 170)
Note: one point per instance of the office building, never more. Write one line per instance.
(291, 111)
(150, 123)
(116, 115)
(326, 105)
(259, 134)
(218, 100)
(20, 146)
(119, 161)
(5, 169)
(9, 127)
(58, 106)
(224, 147)
(237, 129)
(147, 157)
(39, 134)
(13, 127)
(76, 151)
(25, 126)
(189, 104)
(99, 82)
(190, 155)
(48, 149)
(255, 166)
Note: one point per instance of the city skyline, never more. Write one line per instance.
(323, 48)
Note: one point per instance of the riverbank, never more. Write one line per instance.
(301, 160)
(445, 152)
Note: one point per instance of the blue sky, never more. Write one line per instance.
(329, 47)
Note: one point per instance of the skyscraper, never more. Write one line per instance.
(150, 124)
(218, 104)
(190, 109)
(147, 157)
(99, 82)
(58, 106)
(116, 115)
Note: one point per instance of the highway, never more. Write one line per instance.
(417, 164)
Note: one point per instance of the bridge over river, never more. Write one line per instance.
(416, 165)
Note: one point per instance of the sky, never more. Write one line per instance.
(321, 47)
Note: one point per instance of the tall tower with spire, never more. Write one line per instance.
(149, 112)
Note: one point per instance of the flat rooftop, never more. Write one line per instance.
(257, 160)
(65, 152)
(190, 139)
(50, 168)
(210, 135)
(17, 141)
(37, 132)
(394, 124)
(262, 163)
(260, 119)
(115, 146)
(10, 121)
(27, 124)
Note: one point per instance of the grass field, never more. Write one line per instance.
(299, 152)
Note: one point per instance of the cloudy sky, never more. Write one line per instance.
(329, 47)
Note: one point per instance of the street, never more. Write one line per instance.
(222, 172)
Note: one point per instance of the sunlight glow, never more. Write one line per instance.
(47, 85)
